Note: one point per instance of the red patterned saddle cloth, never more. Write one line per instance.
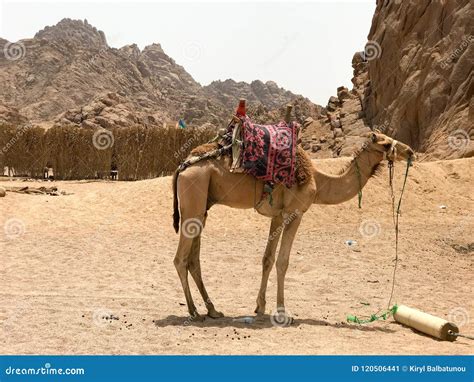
(269, 151)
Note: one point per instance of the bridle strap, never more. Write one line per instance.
(391, 151)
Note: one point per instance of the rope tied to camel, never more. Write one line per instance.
(374, 317)
(460, 335)
(396, 226)
(390, 183)
(359, 193)
(390, 310)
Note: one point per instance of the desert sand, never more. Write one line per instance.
(106, 250)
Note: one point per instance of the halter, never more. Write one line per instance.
(392, 151)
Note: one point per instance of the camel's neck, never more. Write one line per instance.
(335, 189)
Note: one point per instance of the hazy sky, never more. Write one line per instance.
(305, 47)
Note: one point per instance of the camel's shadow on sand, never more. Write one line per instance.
(264, 322)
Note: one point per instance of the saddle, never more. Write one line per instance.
(267, 152)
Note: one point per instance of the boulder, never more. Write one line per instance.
(338, 133)
(336, 124)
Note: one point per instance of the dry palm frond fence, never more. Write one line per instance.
(137, 152)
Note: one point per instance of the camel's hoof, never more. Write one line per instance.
(259, 311)
(260, 318)
(196, 317)
(281, 318)
(215, 314)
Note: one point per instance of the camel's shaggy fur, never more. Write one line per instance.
(376, 170)
(304, 167)
(204, 148)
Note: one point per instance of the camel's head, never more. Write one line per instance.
(392, 149)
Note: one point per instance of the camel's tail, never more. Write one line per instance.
(175, 202)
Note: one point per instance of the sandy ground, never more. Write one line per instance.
(107, 249)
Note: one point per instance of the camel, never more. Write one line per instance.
(210, 182)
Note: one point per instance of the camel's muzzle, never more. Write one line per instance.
(399, 151)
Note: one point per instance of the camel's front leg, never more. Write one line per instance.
(268, 261)
(290, 226)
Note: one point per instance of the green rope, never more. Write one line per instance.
(409, 164)
(374, 317)
(360, 183)
(268, 190)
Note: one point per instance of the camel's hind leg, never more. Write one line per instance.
(195, 270)
(268, 261)
(181, 262)
(192, 192)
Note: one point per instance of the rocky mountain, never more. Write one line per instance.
(421, 78)
(67, 74)
(268, 94)
(341, 129)
(414, 81)
(11, 116)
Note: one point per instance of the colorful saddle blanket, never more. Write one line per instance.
(269, 151)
